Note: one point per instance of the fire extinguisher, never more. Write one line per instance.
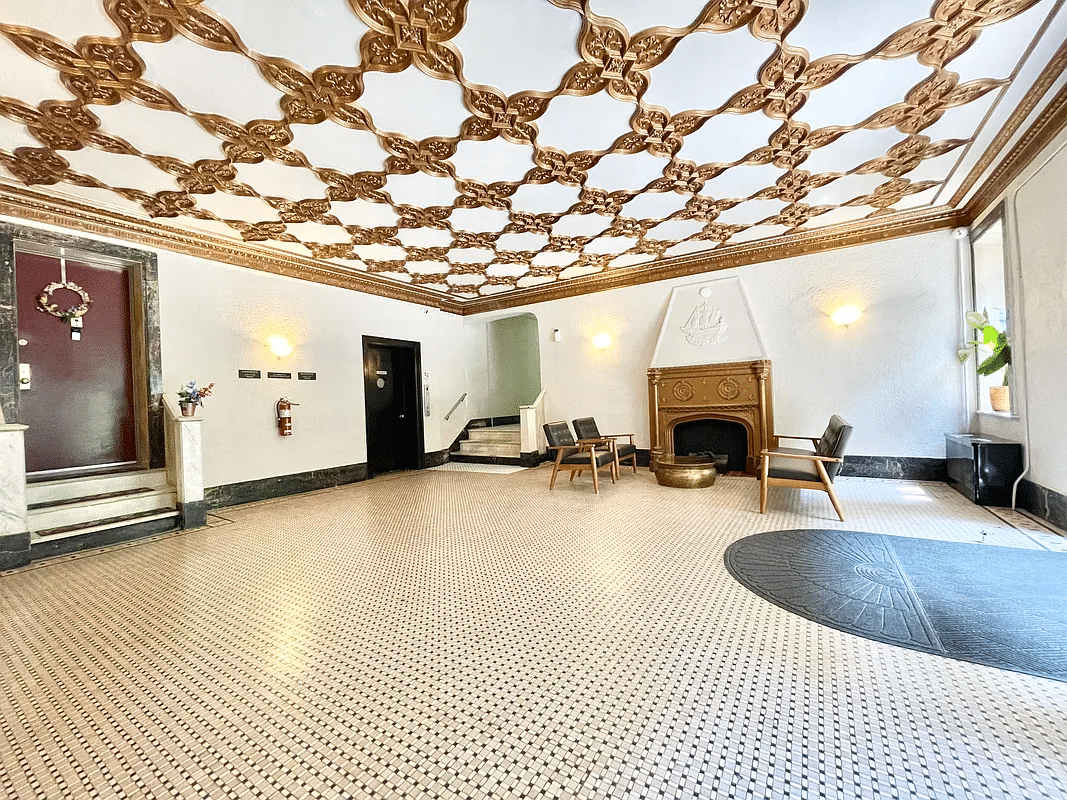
(284, 410)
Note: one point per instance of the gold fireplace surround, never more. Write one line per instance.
(736, 392)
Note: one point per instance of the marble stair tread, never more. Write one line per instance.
(92, 510)
(89, 498)
(68, 531)
(499, 433)
(40, 493)
(489, 448)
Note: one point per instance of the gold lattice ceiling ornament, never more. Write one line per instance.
(421, 34)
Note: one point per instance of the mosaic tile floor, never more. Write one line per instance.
(459, 635)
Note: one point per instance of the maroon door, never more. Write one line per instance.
(79, 405)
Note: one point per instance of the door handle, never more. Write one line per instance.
(25, 376)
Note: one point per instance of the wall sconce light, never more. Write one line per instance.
(602, 341)
(846, 315)
(279, 346)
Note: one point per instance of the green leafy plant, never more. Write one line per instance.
(990, 340)
(190, 394)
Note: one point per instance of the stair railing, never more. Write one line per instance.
(531, 426)
(185, 464)
(455, 405)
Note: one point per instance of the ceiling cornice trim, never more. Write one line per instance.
(28, 205)
(851, 234)
(1048, 76)
(1049, 123)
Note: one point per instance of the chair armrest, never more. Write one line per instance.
(619, 436)
(813, 439)
(805, 457)
(600, 440)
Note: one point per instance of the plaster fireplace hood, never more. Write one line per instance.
(709, 364)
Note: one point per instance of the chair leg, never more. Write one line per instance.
(596, 478)
(555, 471)
(763, 485)
(828, 486)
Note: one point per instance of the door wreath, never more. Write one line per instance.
(45, 304)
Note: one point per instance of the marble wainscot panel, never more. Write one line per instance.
(1047, 503)
(186, 465)
(232, 494)
(899, 467)
(14, 535)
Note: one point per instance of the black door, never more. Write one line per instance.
(391, 388)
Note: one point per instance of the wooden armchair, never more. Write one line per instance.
(804, 469)
(587, 430)
(579, 456)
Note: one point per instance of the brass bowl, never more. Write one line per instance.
(685, 472)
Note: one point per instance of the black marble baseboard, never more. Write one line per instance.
(898, 467)
(232, 494)
(14, 550)
(48, 548)
(433, 459)
(193, 515)
(460, 458)
(532, 459)
(1046, 503)
(644, 457)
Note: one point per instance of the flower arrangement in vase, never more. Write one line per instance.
(189, 397)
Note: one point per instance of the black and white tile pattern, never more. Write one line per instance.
(458, 635)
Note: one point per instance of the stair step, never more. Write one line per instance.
(103, 524)
(88, 498)
(72, 513)
(499, 433)
(51, 492)
(489, 448)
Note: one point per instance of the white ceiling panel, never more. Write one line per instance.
(311, 33)
(868, 87)
(492, 161)
(852, 27)
(521, 45)
(27, 79)
(705, 69)
(337, 147)
(636, 15)
(194, 75)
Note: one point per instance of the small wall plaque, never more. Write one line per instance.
(249, 373)
(305, 376)
(286, 375)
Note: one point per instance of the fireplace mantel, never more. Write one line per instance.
(736, 392)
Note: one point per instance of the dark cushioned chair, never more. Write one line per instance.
(578, 456)
(586, 429)
(803, 469)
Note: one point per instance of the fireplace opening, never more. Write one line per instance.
(719, 436)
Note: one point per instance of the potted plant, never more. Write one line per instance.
(189, 397)
(1000, 359)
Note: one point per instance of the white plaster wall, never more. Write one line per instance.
(1043, 249)
(214, 320)
(893, 374)
(514, 364)
(1039, 263)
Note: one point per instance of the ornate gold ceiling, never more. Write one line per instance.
(371, 136)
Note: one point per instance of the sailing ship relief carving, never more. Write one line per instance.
(705, 327)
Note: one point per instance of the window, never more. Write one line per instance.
(991, 296)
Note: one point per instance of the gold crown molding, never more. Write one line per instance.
(27, 205)
(1048, 76)
(1048, 124)
(798, 244)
